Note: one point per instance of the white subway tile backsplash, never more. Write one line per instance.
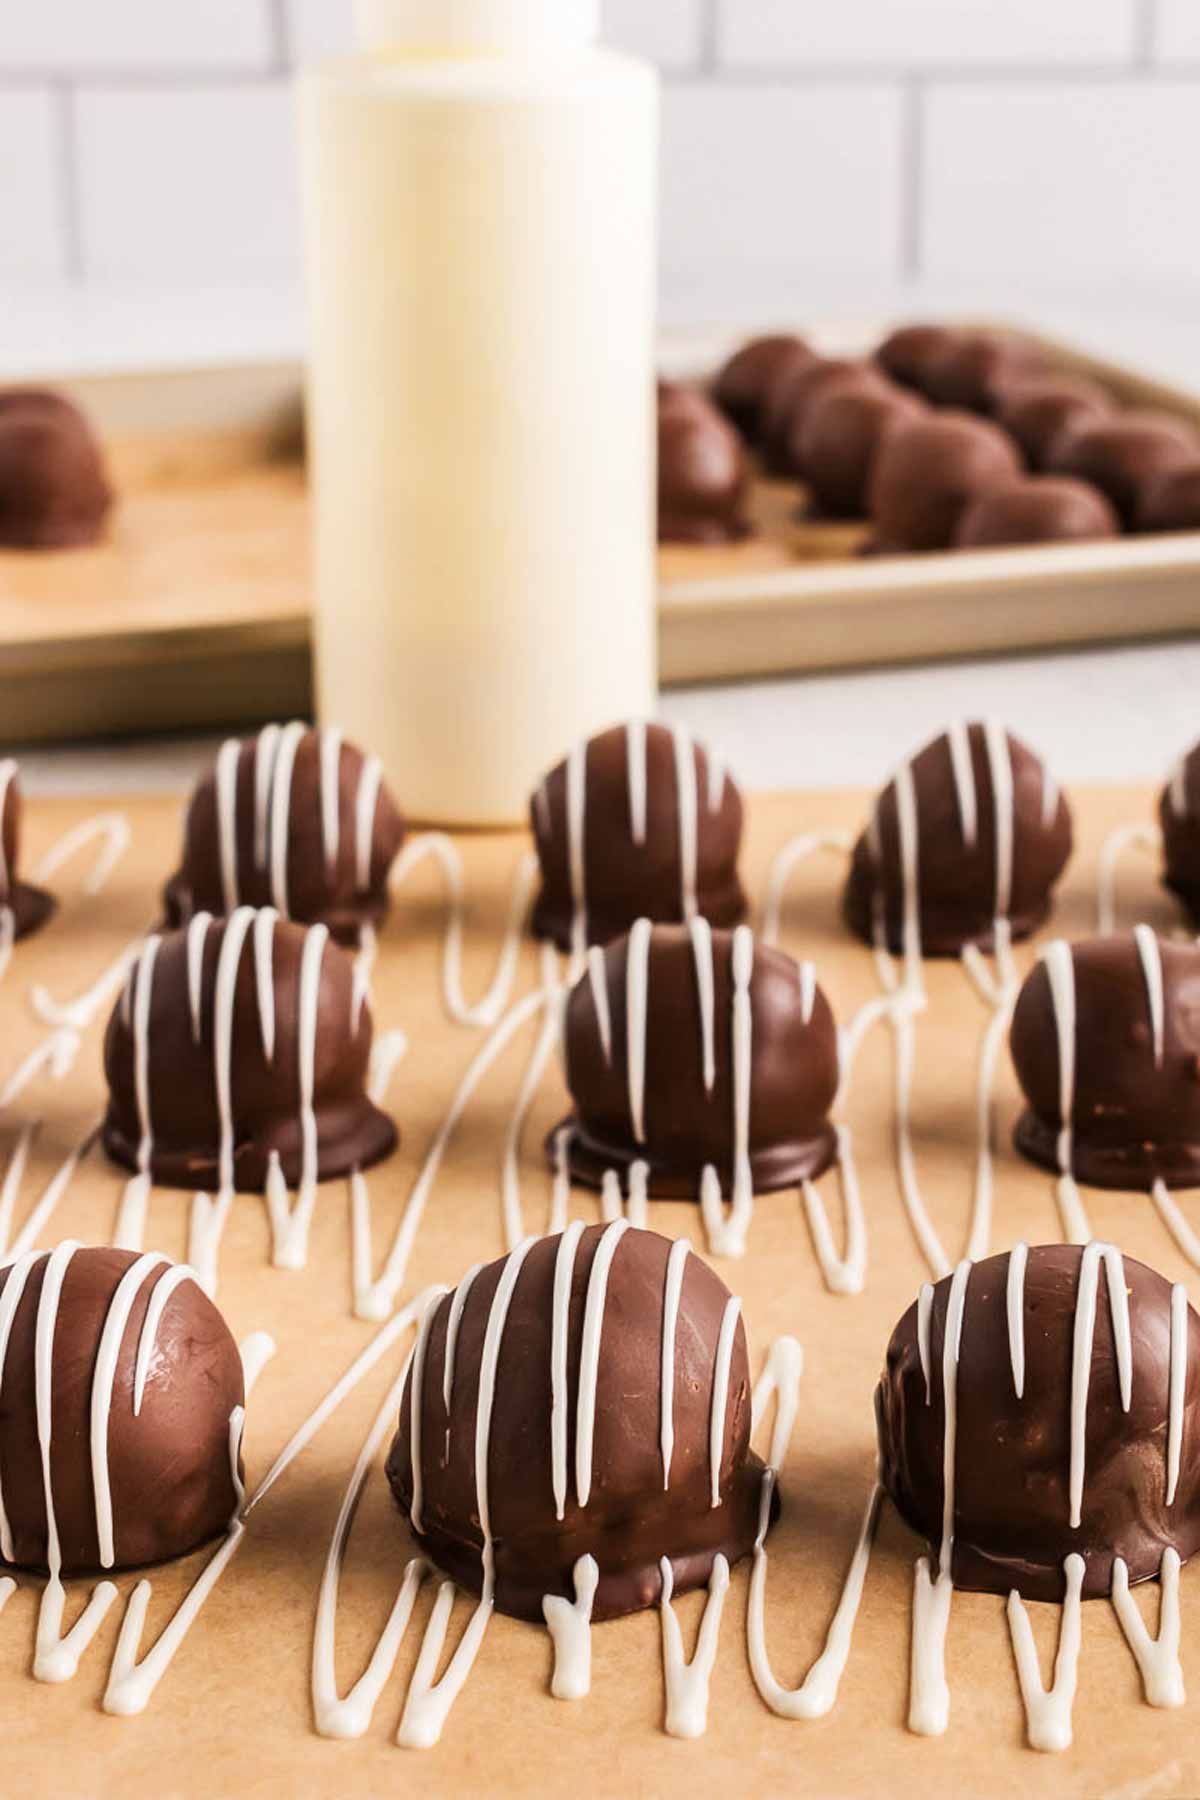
(1083, 184)
(131, 35)
(667, 31)
(1177, 31)
(31, 201)
(770, 183)
(910, 33)
(319, 28)
(197, 181)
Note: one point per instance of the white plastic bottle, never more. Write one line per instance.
(480, 198)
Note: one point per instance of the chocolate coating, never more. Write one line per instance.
(1179, 817)
(265, 1091)
(631, 1519)
(744, 385)
(906, 354)
(1036, 509)
(1133, 1120)
(54, 491)
(927, 473)
(1171, 501)
(625, 879)
(792, 404)
(1038, 410)
(1013, 1454)
(956, 879)
(840, 439)
(170, 1473)
(1122, 455)
(319, 889)
(703, 475)
(687, 1124)
(30, 906)
(973, 369)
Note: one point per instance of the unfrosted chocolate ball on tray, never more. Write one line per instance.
(927, 473)
(1036, 509)
(26, 907)
(237, 1043)
(509, 1500)
(142, 1443)
(745, 383)
(1038, 409)
(638, 822)
(666, 1035)
(1106, 1045)
(1123, 455)
(1171, 501)
(972, 831)
(973, 369)
(907, 353)
(1179, 818)
(793, 404)
(1062, 1444)
(54, 489)
(297, 819)
(703, 475)
(840, 441)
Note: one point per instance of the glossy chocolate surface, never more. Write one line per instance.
(54, 490)
(928, 472)
(1036, 509)
(703, 475)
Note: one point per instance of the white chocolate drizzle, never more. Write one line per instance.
(720, 1393)
(564, 1271)
(598, 981)
(687, 1683)
(1126, 837)
(570, 1628)
(635, 763)
(702, 955)
(637, 977)
(958, 743)
(1082, 1353)
(672, 1291)
(1157, 1658)
(689, 823)
(1177, 1386)
(929, 1695)
(1150, 956)
(589, 1355)
(1015, 1301)
(1048, 1710)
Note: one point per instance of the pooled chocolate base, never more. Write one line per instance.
(31, 908)
(349, 1138)
(1132, 1166)
(774, 1167)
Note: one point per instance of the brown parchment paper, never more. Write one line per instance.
(232, 1716)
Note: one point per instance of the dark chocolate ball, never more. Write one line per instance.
(163, 1474)
(295, 819)
(1179, 817)
(1039, 409)
(973, 369)
(1133, 1103)
(54, 490)
(1036, 509)
(907, 354)
(928, 472)
(746, 382)
(260, 1019)
(990, 835)
(840, 440)
(652, 1063)
(703, 475)
(1171, 501)
(1016, 1512)
(792, 405)
(625, 1504)
(639, 822)
(28, 907)
(1123, 455)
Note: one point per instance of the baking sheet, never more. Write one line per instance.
(232, 1714)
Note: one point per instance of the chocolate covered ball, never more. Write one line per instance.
(1056, 1443)
(666, 1031)
(239, 1045)
(1039, 409)
(703, 475)
(143, 1443)
(1036, 509)
(927, 473)
(840, 440)
(1179, 818)
(792, 405)
(746, 382)
(907, 354)
(1106, 1045)
(1171, 501)
(1123, 455)
(54, 490)
(23, 907)
(973, 831)
(973, 368)
(296, 819)
(638, 822)
(517, 1479)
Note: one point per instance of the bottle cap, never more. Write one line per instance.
(477, 27)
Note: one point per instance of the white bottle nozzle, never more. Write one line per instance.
(476, 26)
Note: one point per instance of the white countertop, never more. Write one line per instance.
(1096, 715)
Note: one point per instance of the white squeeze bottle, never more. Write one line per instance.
(480, 198)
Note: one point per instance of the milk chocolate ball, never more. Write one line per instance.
(792, 406)
(1171, 501)
(1036, 509)
(1021, 1503)
(703, 475)
(973, 369)
(1127, 1007)
(1123, 455)
(907, 354)
(1179, 817)
(54, 490)
(840, 438)
(1038, 410)
(162, 1474)
(27, 907)
(605, 1488)
(746, 382)
(928, 472)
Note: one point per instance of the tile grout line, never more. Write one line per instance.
(912, 179)
(69, 201)
(1145, 34)
(281, 37)
(709, 39)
